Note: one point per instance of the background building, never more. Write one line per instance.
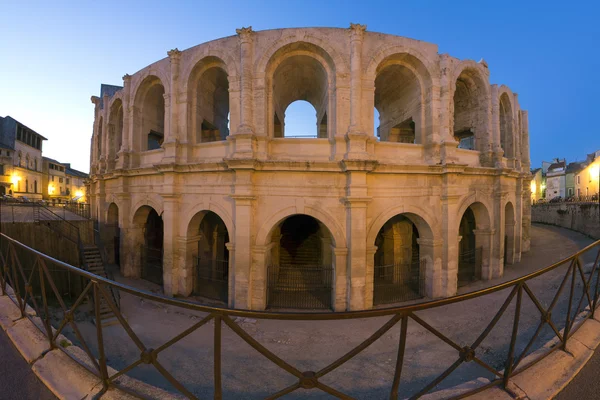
(556, 179)
(75, 184)
(25, 147)
(538, 185)
(55, 181)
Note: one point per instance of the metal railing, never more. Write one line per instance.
(81, 209)
(398, 282)
(592, 198)
(581, 285)
(469, 266)
(299, 286)
(212, 278)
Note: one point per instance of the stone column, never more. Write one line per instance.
(186, 250)
(123, 153)
(509, 232)
(96, 132)
(243, 216)
(370, 276)
(526, 163)
(483, 240)
(523, 199)
(341, 279)
(430, 250)
(497, 151)
(231, 276)
(259, 277)
(171, 109)
(356, 228)
(448, 145)
(131, 246)
(356, 137)
(170, 219)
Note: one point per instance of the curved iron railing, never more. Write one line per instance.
(12, 274)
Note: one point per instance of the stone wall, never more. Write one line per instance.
(580, 217)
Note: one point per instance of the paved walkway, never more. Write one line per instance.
(586, 384)
(17, 381)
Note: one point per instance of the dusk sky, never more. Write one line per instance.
(54, 55)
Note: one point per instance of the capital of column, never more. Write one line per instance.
(174, 54)
(126, 78)
(357, 31)
(245, 34)
(340, 251)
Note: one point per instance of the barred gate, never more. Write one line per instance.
(152, 268)
(469, 266)
(299, 286)
(211, 278)
(398, 282)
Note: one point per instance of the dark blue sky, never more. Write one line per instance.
(56, 55)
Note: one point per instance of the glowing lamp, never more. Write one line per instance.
(533, 187)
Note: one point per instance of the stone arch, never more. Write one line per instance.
(264, 233)
(198, 57)
(149, 113)
(148, 235)
(474, 242)
(112, 214)
(470, 107)
(197, 208)
(112, 234)
(298, 71)
(115, 128)
(206, 256)
(300, 256)
(156, 204)
(152, 72)
(403, 252)
(338, 63)
(208, 100)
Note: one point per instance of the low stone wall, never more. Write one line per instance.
(580, 217)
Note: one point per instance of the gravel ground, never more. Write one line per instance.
(310, 346)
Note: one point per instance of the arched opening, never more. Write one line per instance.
(509, 234)
(300, 77)
(300, 271)
(506, 126)
(469, 115)
(301, 121)
(469, 254)
(398, 100)
(152, 250)
(35, 190)
(115, 129)
(399, 270)
(26, 185)
(207, 239)
(211, 105)
(114, 233)
(149, 115)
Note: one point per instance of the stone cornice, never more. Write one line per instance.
(358, 165)
(357, 200)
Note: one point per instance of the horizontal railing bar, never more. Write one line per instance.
(300, 315)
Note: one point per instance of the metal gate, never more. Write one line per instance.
(299, 286)
(469, 266)
(398, 282)
(152, 269)
(212, 278)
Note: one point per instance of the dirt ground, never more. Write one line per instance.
(311, 345)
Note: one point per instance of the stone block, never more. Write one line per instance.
(28, 339)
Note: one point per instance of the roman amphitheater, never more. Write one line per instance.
(198, 188)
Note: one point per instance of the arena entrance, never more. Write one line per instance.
(152, 250)
(211, 262)
(398, 269)
(469, 255)
(300, 274)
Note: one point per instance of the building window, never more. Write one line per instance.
(35, 186)
(578, 179)
(1, 169)
(52, 178)
(60, 180)
(67, 181)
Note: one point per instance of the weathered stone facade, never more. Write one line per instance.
(162, 143)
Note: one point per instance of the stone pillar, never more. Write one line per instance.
(171, 110)
(186, 250)
(231, 276)
(356, 138)
(259, 277)
(430, 251)
(483, 240)
(448, 145)
(341, 279)
(525, 160)
(243, 216)
(370, 276)
(356, 228)
(509, 233)
(123, 153)
(497, 151)
(96, 132)
(131, 254)
(170, 219)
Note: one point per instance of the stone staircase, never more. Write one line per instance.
(93, 263)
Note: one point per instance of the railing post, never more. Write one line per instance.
(400, 357)
(102, 357)
(571, 294)
(509, 360)
(597, 266)
(217, 358)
